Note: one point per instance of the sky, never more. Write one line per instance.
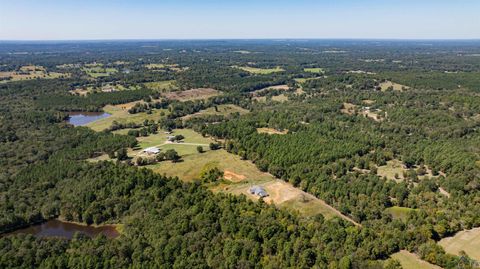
(242, 19)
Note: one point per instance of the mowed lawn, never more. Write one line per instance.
(120, 114)
(409, 260)
(468, 241)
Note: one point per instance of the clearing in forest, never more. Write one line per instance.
(468, 241)
(399, 212)
(410, 260)
(392, 85)
(29, 72)
(193, 94)
(315, 70)
(348, 108)
(260, 71)
(166, 85)
(271, 131)
(98, 71)
(393, 170)
(224, 110)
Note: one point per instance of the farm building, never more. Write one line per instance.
(152, 150)
(258, 191)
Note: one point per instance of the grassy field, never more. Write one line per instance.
(99, 71)
(409, 260)
(314, 70)
(468, 241)
(166, 85)
(120, 114)
(398, 212)
(224, 110)
(29, 72)
(393, 167)
(261, 71)
(193, 94)
(396, 87)
(271, 131)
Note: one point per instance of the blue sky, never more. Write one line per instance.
(204, 19)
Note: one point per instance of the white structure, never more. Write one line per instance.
(152, 150)
(259, 191)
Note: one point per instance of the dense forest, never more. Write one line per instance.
(348, 110)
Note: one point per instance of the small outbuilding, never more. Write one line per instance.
(258, 191)
(152, 150)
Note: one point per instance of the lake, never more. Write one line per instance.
(60, 228)
(84, 118)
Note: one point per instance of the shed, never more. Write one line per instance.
(152, 150)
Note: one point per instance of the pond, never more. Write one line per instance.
(84, 118)
(58, 228)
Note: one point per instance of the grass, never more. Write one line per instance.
(261, 71)
(224, 110)
(316, 70)
(193, 94)
(396, 87)
(162, 85)
(410, 260)
(393, 167)
(155, 66)
(468, 241)
(398, 212)
(120, 114)
(271, 131)
(99, 71)
(29, 72)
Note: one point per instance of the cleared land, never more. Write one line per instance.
(260, 71)
(166, 85)
(398, 212)
(409, 260)
(315, 70)
(105, 88)
(193, 94)
(271, 131)
(393, 170)
(224, 110)
(120, 114)
(395, 86)
(29, 72)
(468, 241)
(99, 71)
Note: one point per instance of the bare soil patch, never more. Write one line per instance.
(348, 109)
(229, 175)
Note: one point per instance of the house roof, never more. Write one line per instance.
(152, 150)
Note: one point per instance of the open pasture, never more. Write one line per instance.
(260, 71)
(409, 260)
(193, 94)
(468, 241)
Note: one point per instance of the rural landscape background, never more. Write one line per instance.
(294, 139)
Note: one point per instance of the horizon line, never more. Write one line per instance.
(241, 39)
